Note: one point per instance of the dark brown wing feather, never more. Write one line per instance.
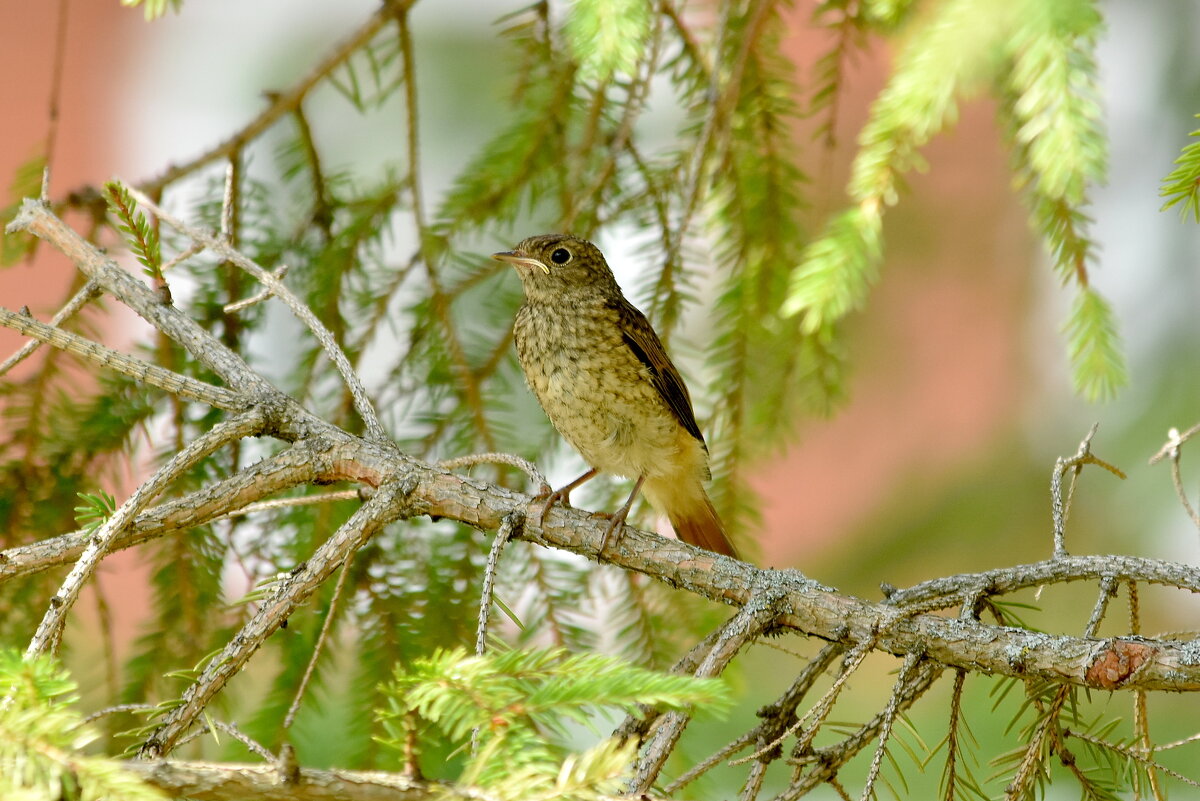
(645, 344)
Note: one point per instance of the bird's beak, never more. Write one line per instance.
(521, 258)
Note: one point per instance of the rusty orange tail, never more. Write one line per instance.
(696, 522)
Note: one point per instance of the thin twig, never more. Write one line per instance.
(1061, 509)
(234, 732)
(222, 249)
(388, 504)
(526, 466)
(37, 218)
(951, 771)
(1031, 762)
(911, 661)
(326, 626)
(1174, 441)
(282, 103)
(299, 464)
(118, 709)
(511, 523)
(820, 709)
(1177, 480)
(279, 273)
(438, 299)
(88, 292)
(1108, 588)
(752, 619)
(301, 500)
(1050, 571)
(827, 761)
(1132, 754)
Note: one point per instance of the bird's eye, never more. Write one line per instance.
(560, 256)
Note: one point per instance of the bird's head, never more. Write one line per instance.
(557, 264)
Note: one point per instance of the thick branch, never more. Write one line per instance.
(306, 462)
(206, 781)
(38, 220)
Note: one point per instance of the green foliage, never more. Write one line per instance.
(665, 135)
(608, 36)
(142, 237)
(154, 9)
(512, 706)
(1182, 186)
(42, 736)
(26, 182)
(1098, 367)
(95, 510)
(1039, 57)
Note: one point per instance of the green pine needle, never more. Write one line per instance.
(511, 702)
(1182, 186)
(837, 270)
(1098, 368)
(26, 182)
(42, 736)
(140, 234)
(608, 36)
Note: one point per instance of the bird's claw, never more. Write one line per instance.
(550, 497)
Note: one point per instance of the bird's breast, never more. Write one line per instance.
(595, 391)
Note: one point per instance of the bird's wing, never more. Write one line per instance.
(648, 348)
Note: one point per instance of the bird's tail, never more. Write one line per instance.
(692, 516)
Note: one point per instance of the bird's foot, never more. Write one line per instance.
(549, 497)
(561, 495)
(616, 526)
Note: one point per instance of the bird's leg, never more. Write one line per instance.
(562, 494)
(618, 517)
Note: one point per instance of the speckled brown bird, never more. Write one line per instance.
(605, 381)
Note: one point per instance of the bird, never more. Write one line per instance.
(603, 377)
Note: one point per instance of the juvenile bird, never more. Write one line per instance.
(605, 381)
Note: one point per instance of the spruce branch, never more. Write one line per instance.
(87, 293)
(1182, 187)
(389, 503)
(222, 248)
(282, 103)
(101, 356)
(245, 424)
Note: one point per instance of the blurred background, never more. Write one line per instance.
(959, 397)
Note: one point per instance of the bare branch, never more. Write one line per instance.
(1060, 508)
(302, 463)
(388, 504)
(102, 356)
(233, 782)
(319, 646)
(37, 219)
(752, 619)
(245, 424)
(223, 249)
(510, 524)
(1174, 441)
(89, 291)
(526, 466)
(911, 662)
